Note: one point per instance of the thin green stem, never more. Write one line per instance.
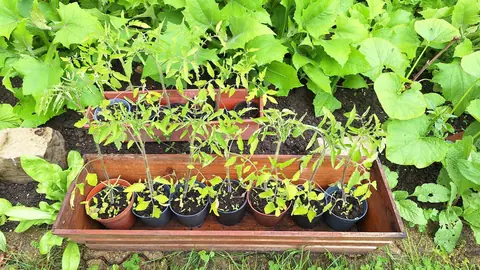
(416, 62)
(464, 96)
(162, 81)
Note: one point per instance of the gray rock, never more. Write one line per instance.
(16, 142)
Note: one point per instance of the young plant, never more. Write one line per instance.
(273, 190)
(137, 125)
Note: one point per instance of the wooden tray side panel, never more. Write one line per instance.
(381, 226)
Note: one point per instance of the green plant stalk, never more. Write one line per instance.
(416, 62)
(227, 157)
(190, 162)
(465, 95)
(162, 82)
(130, 85)
(102, 162)
(141, 145)
(277, 153)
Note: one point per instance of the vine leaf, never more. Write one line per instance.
(403, 36)
(474, 109)
(318, 17)
(245, 29)
(408, 143)
(379, 53)
(338, 49)
(459, 151)
(397, 102)
(283, 76)
(436, 31)
(77, 25)
(465, 47)
(38, 75)
(465, 13)
(8, 119)
(350, 28)
(203, 14)
(354, 82)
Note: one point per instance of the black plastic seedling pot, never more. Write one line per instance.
(190, 221)
(233, 217)
(157, 222)
(337, 223)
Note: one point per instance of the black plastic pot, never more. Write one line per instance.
(244, 104)
(304, 222)
(233, 217)
(191, 221)
(338, 223)
(157, 222)
(113, 101)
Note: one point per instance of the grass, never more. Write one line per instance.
(416, 252)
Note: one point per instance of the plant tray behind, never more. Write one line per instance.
(381, 226)
(226, 102)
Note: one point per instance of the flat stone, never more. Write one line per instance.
(111, 257)
(16, 142)
(153, 255)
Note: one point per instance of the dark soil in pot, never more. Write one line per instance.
(257, 202)
(190, 204)
(161, 113)
(231, 201)
(355, 212)
(120, 202)
(253, 113)
(158, 189)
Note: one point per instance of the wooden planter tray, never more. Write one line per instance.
(226, 102)
(381, 226)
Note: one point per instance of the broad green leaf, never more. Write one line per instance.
(316, 75)
(350, 28)
(433, 100)
(380, 53)
(354, 82)
(470, 170)
(464, 48)
(470, 64)
(397, 101)
(455, 82)
(267, 49)
(300, 60)
(436, 31)
(71, 256)
(403, 36)
(410, 211)
(392, 177)
(436, 13)
(202, 14)
(136, 187)
(162, 199)
(399, 195)
(432, 193)
(300, 210)
(4, 205)
(48, 175)
(408, 143)
(92, 179)
(319, 16)
(9, 17)
(8, 119)
(48, 241)
(357, 63)
(3, 242)
(176, 3)
(449, 231)
(38, 75)
(460, 150)
(325, 100)
(77, 25)
(375, 7)
(474, 109)
(250, 8)
(245, 29)
(269, 208)
(476, 233)
(283, 76)
(23, 39)
(338, 49)
(21, 213)
(465, 13)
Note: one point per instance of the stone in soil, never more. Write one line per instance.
(45, 143)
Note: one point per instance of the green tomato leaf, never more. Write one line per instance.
(269, 208)
(92, 179)
(432, 193)
(436, 31)
(77, 25)
(408, 143)
(162, 199)
(398, 102)
(283, 76)
(410, 211)
(136, 187)
(71, 256)
(266, 49)
(455, 82)
(300, 210)
(380, 53)
(470, 64)
(465, 13)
